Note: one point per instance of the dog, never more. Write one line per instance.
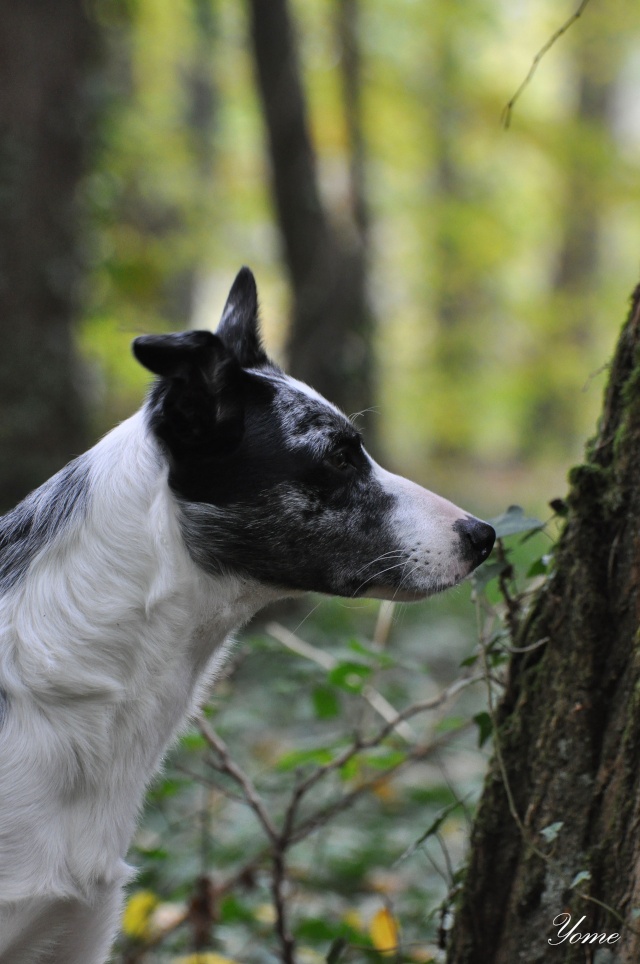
(123, 575)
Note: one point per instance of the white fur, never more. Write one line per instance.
(104, 646)
(107, 642)
(423, 523)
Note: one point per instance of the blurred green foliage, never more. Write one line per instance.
(499, 270)
(385, 823)
(487, 354)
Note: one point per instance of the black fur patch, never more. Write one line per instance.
(39, 518)
(277, 509)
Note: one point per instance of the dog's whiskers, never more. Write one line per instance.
(372, 579)
(391, 554)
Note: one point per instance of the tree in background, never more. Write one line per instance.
(150, 189)
(330, 339)
(48, 86)
(576, 270)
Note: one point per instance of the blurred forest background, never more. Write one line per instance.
(459, 284)
(463, 282)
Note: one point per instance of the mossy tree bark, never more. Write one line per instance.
(568, 739)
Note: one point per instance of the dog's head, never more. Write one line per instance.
(273, 482)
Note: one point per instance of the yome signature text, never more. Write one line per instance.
(574, 936)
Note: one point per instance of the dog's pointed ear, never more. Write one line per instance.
(199, 402)
(239, 328)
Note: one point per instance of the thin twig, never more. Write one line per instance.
(278, 845)
(359, 744)
(326, 813)
(227, 766)
(508, 110)
(383, 623)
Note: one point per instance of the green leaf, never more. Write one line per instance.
(485, 727)
(580, 878)
(233, 911)
(315, 929)
(497, 657)
(470, 660)
(350, 676)
(379, 657)
(488, 571)
(540, 567)
(297, 758)
(551, 832)
(431, 829)
(325, 703)
(450, 723)
(193, 741)
(514, 521)
(382, 758)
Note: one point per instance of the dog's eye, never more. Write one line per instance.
(340, 460)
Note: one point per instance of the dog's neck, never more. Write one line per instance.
(114, 628)
(117, 592)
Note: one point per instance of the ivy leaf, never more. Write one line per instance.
(514, 521)
(551, 832)
(350, 676)
(538, 567)
(431, 829)
(485, 727)
(325, 703)
(486, 572)
(580, 878)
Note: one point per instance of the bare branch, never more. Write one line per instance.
(326, 813)
(508, 110)
(278, 846)
(227, 766)
(359, 745)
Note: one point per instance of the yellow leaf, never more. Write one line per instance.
(385, 791)
(384, 931)
(137, 914)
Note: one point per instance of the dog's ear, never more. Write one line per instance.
(179, 355)
(239, 328)
(198, 406)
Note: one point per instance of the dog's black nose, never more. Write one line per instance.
(477, 538)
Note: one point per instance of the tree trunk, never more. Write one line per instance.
(567, 758)
(46, 54)
(330, 339)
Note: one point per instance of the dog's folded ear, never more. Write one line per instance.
(179, 355)
(198, 405)
(239, 328)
